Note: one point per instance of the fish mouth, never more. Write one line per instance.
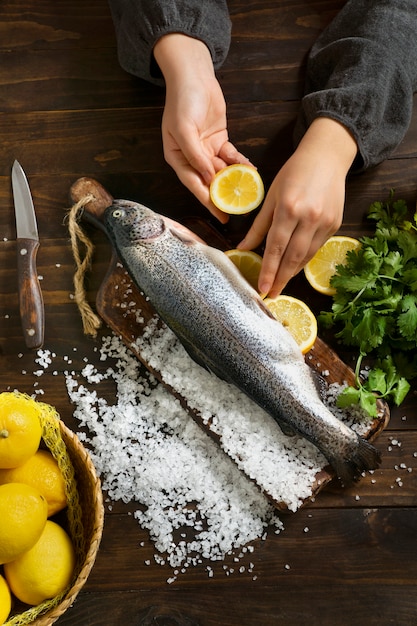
(98, 223)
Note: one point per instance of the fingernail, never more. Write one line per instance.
(264, 288)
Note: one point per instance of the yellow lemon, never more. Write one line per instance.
(20, 429)
(296, 317)
(5, 600)
(237, 189)
(23, 512)
(248, 263)
(41, 471)
(45, 570)
(322, 266)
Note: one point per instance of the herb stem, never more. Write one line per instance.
(397, 280)
(351, 303)
(358, 369)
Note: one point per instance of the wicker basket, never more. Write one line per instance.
(92, 518)
(91, 501)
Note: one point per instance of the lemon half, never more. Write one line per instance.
(237, 189)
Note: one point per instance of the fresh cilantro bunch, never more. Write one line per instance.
(375, 306)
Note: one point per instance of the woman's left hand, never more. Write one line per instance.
(304, 205)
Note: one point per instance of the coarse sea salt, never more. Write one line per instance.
(192, 498)
(284, 467)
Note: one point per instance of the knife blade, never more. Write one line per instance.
(27, 243)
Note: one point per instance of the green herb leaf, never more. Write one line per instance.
(367, 402)
(377, 381)
(349, 396)
(407, 319)
(375, 305)
(400, 391)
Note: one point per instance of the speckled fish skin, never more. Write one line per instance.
(224, 325)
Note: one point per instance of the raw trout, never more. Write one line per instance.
(224, 325)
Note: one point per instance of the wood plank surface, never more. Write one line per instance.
(68, 110)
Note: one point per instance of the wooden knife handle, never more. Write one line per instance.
(30, 294)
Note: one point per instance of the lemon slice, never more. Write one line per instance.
(296, 317)
(248, 263)
(237, 189)
(322, 266)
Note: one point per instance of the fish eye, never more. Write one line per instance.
(118, 213)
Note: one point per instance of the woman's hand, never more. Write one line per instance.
(194, 126)
(304, 205)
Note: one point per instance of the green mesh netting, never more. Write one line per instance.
(51, 435)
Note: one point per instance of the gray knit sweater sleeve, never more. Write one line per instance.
(140, 23)
(362, 71)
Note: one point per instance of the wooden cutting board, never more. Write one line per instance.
(117, 289)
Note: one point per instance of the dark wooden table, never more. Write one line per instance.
(69, 110)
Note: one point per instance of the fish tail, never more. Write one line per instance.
(365, 457)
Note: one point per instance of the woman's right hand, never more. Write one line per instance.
(194, 125)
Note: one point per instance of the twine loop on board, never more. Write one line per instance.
(82, 249)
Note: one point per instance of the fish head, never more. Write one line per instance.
(130, 223)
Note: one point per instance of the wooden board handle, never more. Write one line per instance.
(86, 186)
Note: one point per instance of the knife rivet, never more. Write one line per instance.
(30, 332)
(23, 251)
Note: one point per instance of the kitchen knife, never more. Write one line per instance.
(30, 295)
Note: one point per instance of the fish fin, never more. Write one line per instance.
(200, 359)
(320, 385)
(287, 430)
(265, 309)
(182, 233)
(193, 354)
(366, 457)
